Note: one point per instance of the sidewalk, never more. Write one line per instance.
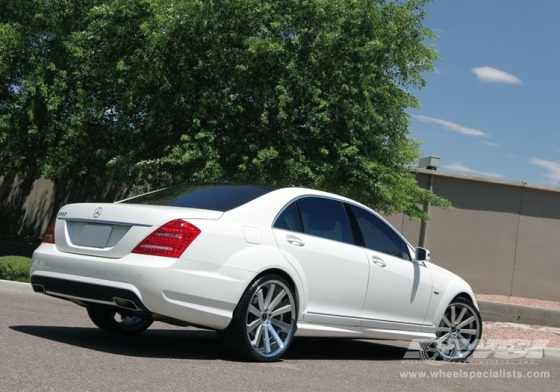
(8, 285)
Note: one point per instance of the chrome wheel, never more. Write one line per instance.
(118, 323)
(127, 321)
(270, 319)
(458, 333)
(264, 321)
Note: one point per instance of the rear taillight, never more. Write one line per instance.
(170, 240)
(48, 238)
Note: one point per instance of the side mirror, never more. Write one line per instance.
(422, 254)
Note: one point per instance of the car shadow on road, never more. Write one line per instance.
(204, 344)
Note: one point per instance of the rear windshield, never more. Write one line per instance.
(209, 196)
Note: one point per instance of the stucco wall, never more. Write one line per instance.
(500, 236)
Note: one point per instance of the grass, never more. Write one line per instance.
(15, 268)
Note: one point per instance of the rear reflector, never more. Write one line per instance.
(48, 238)
(170, 240)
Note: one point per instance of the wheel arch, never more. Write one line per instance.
(466, 296)
(285, 275)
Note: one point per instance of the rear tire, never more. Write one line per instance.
(264, 321)
(118, 323)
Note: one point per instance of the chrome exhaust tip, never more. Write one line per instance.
(125, 303)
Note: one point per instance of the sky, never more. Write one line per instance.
(492, 107)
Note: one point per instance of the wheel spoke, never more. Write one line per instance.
(469, 331)
(258, 335)
(457, 346)
(453, 318)
(460, 318)
(269, 297)
(277, 300)
(253, 325)
(255, 311)
(275, 336)
(282, 310)
(280, 324)
(260, 300)
(443, 329)
(465, 341)
(266, 340)
(446, 321)
(467, 321)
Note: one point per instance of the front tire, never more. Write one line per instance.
(457, 335)
(264, 321)
(118, 323)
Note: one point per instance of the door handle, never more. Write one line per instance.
(378, 261)
(294, 240)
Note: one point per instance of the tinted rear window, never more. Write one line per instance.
(209, 196)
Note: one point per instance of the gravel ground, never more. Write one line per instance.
(520, 335)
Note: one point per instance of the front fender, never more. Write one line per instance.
(449, 286)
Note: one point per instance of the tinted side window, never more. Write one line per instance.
(325, 218)
(378, 235)
(289, 219)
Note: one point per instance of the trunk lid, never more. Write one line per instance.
(112, 229)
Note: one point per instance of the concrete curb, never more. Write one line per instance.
(8, 285)
(531, 353)
(551, 352)
(508, 313)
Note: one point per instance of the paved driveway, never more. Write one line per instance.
(50, 345)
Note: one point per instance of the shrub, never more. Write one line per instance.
(15, 268)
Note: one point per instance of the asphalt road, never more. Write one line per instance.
(50, 345)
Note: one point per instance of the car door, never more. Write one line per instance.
(315, 235)
(399, 289)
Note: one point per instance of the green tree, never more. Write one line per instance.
(298, 92)
(38, 88)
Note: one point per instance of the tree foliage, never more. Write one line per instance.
(298, 92)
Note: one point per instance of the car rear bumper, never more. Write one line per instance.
(195, 293)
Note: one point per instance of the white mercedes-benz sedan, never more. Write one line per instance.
(258, 264)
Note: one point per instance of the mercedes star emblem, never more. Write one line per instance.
(97, 212)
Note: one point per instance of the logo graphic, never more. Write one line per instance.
(97, 212)
(438, 351)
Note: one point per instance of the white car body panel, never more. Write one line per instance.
(335, 277)
(340, 291)
(448, 286)
(399, 292)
